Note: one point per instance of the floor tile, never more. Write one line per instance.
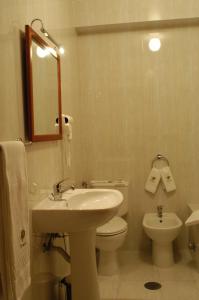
(195, 269)
(135, 290)
(180, 282)
(137, 267)
(178, 272)
(197, 286)
(108, 287)
(172, 290)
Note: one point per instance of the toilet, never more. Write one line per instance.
(162, 231)
(111, 236)
(192, 224)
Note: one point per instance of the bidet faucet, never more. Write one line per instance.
(159, 210)
(61, 187)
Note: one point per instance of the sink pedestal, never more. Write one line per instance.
(83, 265)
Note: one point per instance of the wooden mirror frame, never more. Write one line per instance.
(31, 35)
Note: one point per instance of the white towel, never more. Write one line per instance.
(167, 179)
(193, 219)
(14, 221)
(153, 180)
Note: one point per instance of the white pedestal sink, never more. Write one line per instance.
(79, 213)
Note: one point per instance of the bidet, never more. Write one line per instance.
(162, 231)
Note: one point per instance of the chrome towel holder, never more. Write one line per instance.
(159, 157)
(26, 143)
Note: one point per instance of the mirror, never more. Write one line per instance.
(43, 89)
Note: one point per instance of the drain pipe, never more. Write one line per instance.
(66, 282)
(192, 246)
(62, 252)
(48, 246)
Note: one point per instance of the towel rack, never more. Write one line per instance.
(159, 157)
(26, 143)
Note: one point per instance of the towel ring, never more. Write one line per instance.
(159, 157)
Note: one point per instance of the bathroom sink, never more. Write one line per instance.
(78, 210)
(79, 213)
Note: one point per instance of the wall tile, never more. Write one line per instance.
(89, 12)
(136, 104)
(56, 16)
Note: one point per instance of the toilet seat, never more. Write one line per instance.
(115, 226)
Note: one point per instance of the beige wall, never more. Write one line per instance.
(44, 159)
(93, 12)
(136, 104)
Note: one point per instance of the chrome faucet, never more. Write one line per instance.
(159, 210)
(61, 187)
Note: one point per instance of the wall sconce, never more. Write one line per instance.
(47, 35)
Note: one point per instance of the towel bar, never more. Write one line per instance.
(159, 157)
(26, 143)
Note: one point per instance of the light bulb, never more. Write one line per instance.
(154, 44)
(41, 52)
(61, 50)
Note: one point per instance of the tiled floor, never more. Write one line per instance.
(180, 282)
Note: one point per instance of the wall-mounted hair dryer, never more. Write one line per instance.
(67, 125)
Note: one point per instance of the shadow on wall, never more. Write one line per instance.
(24, 82)
(1, 290)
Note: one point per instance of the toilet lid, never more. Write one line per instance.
(114, 226)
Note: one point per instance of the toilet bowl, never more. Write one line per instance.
(111, 236)
(162, 231)
(192, 224)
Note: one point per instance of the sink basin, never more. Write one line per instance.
(79, 210)
(79, 213)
